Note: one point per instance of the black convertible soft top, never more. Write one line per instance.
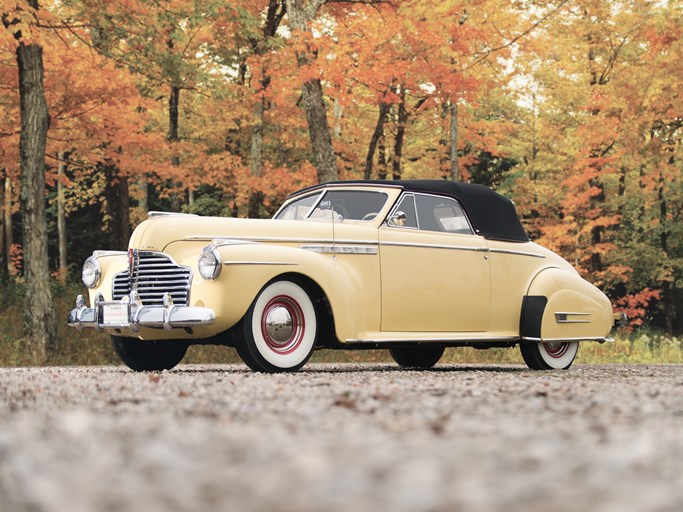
(493, 216)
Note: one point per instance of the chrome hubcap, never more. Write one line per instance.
(556, 349)
(279, 325)
(283, 324)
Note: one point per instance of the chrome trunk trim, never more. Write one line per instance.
(563, 318)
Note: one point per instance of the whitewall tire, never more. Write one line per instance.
(556, 355)
(279, 331)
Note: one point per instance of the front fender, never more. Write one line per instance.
(575, 309)
(248, 267)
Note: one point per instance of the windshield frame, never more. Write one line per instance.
(321, 195)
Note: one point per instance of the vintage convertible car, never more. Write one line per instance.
(411, 266)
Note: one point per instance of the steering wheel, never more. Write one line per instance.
(370, 216)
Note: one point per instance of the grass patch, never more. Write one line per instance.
(88, 347)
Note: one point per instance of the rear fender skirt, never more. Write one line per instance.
(533, 308)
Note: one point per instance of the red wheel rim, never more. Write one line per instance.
(282, 337)
(556, 350)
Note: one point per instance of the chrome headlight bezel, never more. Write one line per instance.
(91, 273)
(209, 263)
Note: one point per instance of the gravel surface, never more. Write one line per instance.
(342, 438)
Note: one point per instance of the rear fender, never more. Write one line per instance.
(560, 305)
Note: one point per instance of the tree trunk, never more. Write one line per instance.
(61, 218)
(382, 157)
(40, 328)
(173, 137)
(256, 159)
(596, 231)
(453, 138)
(9, 235)
(300, 13)
(319, 131)
(3, 267)
(667, 298)
(402, 120)
(374, 140)
(143, 202)
(276, 11)
(338, 116)
(118, 202)
(173, 117)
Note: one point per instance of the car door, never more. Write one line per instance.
(435, 272)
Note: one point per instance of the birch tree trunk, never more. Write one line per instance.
(455, 175)
(40, 328)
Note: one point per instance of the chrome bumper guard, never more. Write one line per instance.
(129, 314)
(620, 320)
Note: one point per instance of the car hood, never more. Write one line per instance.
(158, 232)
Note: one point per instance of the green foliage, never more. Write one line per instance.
(208, 202)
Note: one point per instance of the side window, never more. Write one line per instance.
(441, 214)
(407, 207)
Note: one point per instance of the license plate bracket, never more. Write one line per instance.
(114, 314)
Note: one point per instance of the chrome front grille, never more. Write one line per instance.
(153, 274)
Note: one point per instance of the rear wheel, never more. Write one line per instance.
(279, 330)
(147, 356)
(554, 355)
(422, 357)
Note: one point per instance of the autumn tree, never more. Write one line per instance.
(39, 320)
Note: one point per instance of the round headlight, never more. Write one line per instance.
(210, 263)
(91, 273)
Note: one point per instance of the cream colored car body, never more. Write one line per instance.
(383, 283)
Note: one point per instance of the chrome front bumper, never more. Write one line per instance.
(129, 314)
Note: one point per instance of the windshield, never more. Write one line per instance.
(342, 204)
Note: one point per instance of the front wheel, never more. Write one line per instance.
(148, 356)
(279, 330)
(552, 355)
(422, 357)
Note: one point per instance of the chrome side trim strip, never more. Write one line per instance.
(228, 262)
(517, 253)
(100, 254)
(251, 239)
(222, 242)
(600, 339)
(437, 246)
(424, 339)
(340, 249)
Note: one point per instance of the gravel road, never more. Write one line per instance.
(342, 438)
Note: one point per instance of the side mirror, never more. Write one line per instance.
(397, 219)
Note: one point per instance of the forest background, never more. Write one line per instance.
(573, 108)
